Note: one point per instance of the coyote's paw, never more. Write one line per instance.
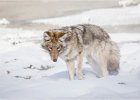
(80, 75)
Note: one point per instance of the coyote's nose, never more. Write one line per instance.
(54, 60)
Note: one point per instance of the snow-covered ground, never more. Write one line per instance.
(27, 73)
(4, 21)
(113, 16)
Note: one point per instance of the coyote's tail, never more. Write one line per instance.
(113, 60)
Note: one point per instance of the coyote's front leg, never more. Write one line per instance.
(71, 69)
(80, 65)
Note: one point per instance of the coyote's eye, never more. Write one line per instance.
(47, 40)
(59, 48)
(49, 48)
(60, 40)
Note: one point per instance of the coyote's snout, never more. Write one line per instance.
(73, 42)
(53, 53)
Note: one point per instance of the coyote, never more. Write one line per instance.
(71, 43)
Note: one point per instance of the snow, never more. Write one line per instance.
(23, 78)
(27, 72)
(110, 16)
(4, 21)
(125, 3)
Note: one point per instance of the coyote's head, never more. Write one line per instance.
(53, 43)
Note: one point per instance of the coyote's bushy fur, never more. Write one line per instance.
(71, 43)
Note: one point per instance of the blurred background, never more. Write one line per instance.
(20, 13)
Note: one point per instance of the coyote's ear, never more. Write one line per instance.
(46, 35)
(63, 36)
(60, 34)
